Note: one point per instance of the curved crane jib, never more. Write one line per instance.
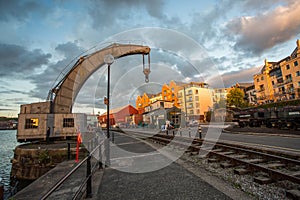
(66, 92)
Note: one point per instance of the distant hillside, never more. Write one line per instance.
(7, 119)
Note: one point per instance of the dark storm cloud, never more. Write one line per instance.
(264, 31)
(204, 24)
(55, 71)
(107, 13)
(19, 10)
(6, 109)
(16, 59)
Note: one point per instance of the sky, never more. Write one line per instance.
(40, 39)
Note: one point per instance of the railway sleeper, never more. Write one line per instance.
(227, 152)
(241, 171)
(295, 173)
(263, 180)
(212, 160)
(227, 165)
(254, 160)
(293, 194)
(217, 150)
(239, 156)
(274, 165)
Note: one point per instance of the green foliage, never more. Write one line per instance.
(235, 98)
(44, 157)
(208, 116)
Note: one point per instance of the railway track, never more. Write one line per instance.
(265, 167)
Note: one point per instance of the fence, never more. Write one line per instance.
(96, 144)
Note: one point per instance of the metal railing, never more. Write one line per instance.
(96, 145)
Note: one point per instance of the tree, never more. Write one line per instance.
(235, 97)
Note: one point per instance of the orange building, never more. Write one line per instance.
(168, 93)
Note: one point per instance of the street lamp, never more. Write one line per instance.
(108, 59)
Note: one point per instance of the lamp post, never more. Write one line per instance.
(108, 59)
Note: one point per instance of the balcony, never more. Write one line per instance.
(290, 90)
(261, 90)
(288, 81)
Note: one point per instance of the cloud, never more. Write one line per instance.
(244, 75)
(108, 13)
(258, 33)
(55, 71)
(19, 10)
(259, 5)
(16, 60)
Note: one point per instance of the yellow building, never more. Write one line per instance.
(280, 80)
(195, 100)
(220, 94)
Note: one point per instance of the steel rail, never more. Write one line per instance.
(272, 173)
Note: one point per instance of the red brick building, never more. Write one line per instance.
(126, 115)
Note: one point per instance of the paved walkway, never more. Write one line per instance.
(171, 182)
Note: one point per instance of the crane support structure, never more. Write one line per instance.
(67, 89)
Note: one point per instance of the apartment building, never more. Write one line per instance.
(280, 80)
(220, 94)
(195, 100)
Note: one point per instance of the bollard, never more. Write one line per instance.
(89, 181)
(200, 132)
(180, 132)
(189, 132)
(100, 157)
(69, 151)
(113, 137)
(1, 191)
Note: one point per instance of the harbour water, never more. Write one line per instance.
(8, 142)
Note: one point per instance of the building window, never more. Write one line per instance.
(296, 63)
(288, 78)
(162, 104)
(297, 73)
(196, 91)
(262, 78)
(196, 98)
(298, 84)
(287, 67)
(257, 80)
(31, 123)
(261, 88)
(68, 122)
